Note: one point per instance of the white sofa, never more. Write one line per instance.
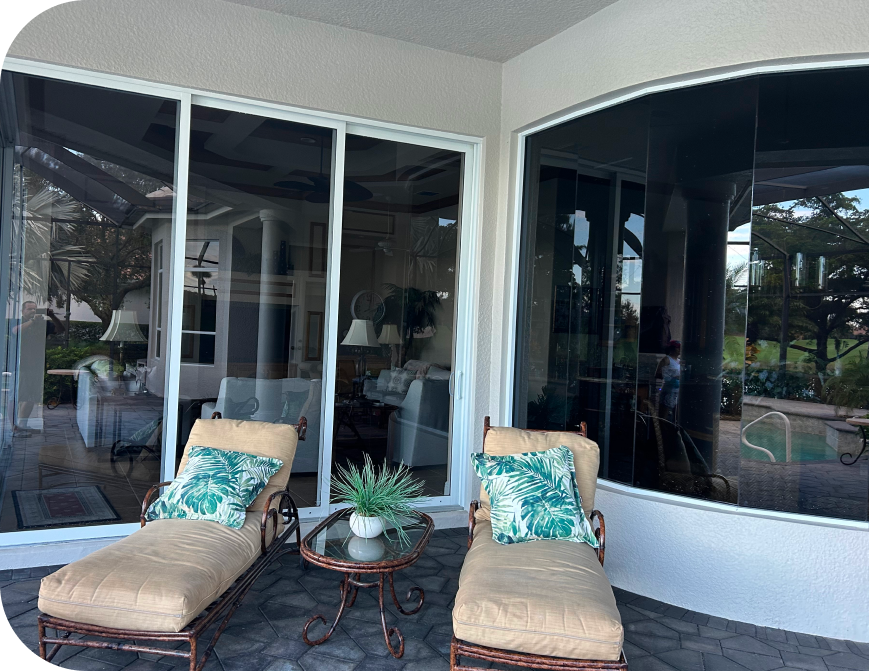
(94, 382)
(263, 400)
(419, 428)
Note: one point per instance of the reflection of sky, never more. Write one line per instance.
(580, 228)
(738, 250)
(580, 238)
(635, 225)
(862, 203)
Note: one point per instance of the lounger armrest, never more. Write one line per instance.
(472, 521)
(302, 427)
(286, 507)
(599, 533)
(146, 502)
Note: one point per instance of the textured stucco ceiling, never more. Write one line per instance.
(496, 30)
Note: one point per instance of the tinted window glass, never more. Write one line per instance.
(693, 285)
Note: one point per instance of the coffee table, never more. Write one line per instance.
(334, 546)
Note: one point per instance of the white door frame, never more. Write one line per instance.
(467, 300)
(464, 338)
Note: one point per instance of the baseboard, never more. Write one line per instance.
(52, 554)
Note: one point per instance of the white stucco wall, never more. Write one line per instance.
(803, 577)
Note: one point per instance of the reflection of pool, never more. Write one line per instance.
(804, 446)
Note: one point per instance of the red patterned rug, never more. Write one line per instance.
(39, 508)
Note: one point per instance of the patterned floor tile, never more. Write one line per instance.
(265, 633)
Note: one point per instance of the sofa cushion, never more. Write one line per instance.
(260, 438)
(546, 598)
(436, 373)
(156, 579)
(401, 381)
(586, 457)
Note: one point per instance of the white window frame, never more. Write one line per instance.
(194, 270)
(174, 268)
(509, 333)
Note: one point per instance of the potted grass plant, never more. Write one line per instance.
(377, 497)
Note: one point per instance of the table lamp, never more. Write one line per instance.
(361, 335)
(389, 336)
(123, 328)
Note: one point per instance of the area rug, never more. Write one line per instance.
(39, 508)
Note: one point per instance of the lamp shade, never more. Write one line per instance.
(389, 335)
(123, 328)
(361, 334)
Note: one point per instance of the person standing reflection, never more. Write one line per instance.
(669, 371)
(32, 330)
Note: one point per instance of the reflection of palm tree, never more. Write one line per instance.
(430, 241)
(417, 307)
(38, 217)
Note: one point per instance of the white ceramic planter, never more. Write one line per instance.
(365, 549)
(365, 527)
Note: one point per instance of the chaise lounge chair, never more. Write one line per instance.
(173, 579)
(544, 604)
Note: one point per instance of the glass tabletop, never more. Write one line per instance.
(334, 540)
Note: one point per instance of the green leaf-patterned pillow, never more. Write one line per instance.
(216, 485)
(534, 497)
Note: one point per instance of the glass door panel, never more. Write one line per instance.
(255, 267)
(396, 307)
(87, 174)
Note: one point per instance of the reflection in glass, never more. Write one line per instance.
(583, 256)
(808, 315)
(399, 254)
(254, 277)
(725, 308)
(701, 152)
(83, 181)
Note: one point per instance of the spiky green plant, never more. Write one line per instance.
(387, 494)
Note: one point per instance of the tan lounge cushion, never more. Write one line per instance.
(260, 438)
(586, 458)
(542, 597)
(156, 579)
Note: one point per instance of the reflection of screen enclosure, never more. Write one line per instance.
(694, 283)
(91, 196)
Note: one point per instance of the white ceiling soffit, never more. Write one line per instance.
(496, 30)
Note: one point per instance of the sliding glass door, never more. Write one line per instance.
(87, 181)
(168, 257)
(396, 308)
(255, 266)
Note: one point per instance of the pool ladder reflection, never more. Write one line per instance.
(763, 449)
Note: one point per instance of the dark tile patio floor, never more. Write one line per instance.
(265, 633)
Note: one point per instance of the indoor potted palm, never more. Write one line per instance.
(377, 497)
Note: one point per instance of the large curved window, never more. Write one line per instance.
(694, 284)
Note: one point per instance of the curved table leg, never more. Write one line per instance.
(848, 454)
(346, 590)
(356, 577)
(410, 592)
(389, 631)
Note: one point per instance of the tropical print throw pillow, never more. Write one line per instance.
(216, 485)
(534, 497)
